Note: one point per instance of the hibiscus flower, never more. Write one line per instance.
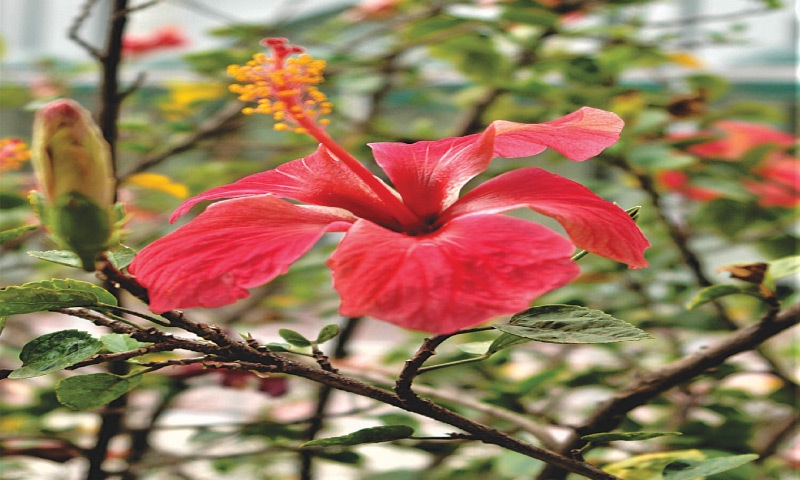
(417, 254)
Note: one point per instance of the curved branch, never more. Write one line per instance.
(646, 387)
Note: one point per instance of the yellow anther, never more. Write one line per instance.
(281, 84)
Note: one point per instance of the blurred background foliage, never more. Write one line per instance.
(409, 70)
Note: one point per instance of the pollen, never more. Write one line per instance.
(282, 85)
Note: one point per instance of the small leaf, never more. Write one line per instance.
(475, 348)
(505, 340)
(117, 342)
(714, 292)
(365, 435)
(694, 469)
(625, 437)
(61, 257)
(570, 324)
(120, 256)
(55, 351)
(84, 392)
(278, 347)
(328, 332)
(294, 338)
(783, 267)
(15, 233)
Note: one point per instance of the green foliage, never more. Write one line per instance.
(694, 469)
(85, 392)
(387, 433)
(625, 436)
(55, 351)
(52, 294)
(568, 324)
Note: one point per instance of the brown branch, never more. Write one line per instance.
(206, 129)
(252, 359)
(609, 415)
(74, 29)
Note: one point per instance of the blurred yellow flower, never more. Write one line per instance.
(184, 95)
(155, 181)
(685, 59)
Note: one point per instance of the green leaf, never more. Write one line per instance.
(783, 267)
(714, 292)
(51, 294)
(475, 348)
(505, 340)
(365, 435)
(118, 342)
(15, 233)
(2, 323)
(693, 469)
(84, 392)
(648, 466)
(294, 338)
(55, 351)
(625, 437)
(278, 347)
(328, 332)
(570, 324)
(120, 256)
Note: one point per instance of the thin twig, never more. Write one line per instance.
(74, 29)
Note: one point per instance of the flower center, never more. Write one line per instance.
(285, 88)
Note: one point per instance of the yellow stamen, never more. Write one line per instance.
(282, 85)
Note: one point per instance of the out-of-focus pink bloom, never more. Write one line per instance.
(779, 185)
(372, 10)
(678, 182)
(731, 139)
(161, 39)
(418, 255)
(774, 180)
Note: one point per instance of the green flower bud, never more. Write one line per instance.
(73, 167)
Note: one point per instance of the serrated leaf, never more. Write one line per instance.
(625, 436)
(694, 469)
(15, 233)
(714, 292)
(783, 267)
(294, 338)
(328, 332)
(84, 392)
(55, 351)
(570, 324)
(118, 342)
(51, 294)
(366, 435)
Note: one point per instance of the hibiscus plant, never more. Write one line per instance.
(330, 252)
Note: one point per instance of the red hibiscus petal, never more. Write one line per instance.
(592, 223)
(473, 268)
(429, 174)
(318, 179)
(233, 245)
(580, 135)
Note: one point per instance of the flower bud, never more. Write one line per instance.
(73, 167)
